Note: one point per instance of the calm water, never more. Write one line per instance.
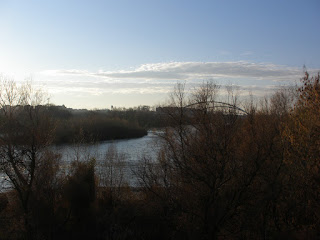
(132, 149)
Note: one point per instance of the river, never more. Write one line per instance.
(133, 150)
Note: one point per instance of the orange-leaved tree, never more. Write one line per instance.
(302, 136)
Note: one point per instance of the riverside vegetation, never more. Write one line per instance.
(218, 175)
(89, 126)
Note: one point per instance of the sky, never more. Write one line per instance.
(94, 54)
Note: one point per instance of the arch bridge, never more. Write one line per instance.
(216, 106)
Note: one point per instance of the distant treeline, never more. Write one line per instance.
(82, 125)
(89, 126)
(142, 115)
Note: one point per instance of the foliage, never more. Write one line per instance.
(242, 174)
(219, 175)
(302, 135)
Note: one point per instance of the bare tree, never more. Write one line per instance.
(207, 171)
(111, 173)
(25, 132)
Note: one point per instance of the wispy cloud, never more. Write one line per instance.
(193, 70)
(160, 77)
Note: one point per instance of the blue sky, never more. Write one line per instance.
(95, 54)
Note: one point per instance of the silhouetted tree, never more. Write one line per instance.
(25, 132)
(218, 171)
